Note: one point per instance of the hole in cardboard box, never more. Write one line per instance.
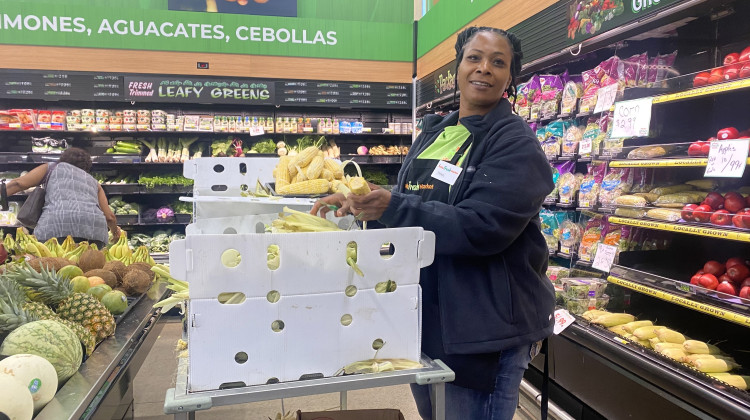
(273, 296)
(277, 326)
(231, 298)
(260, 227)
(243, 168)
(387, 251)
(240, 357)
(244, 187)
(272, 381)
(351, 257)
(230, 231)
(351, 290)
(219, 168)
(346, 320)
(219, 188)
(385, 287)
(230, 385)
(311, 376)
(378, 344)
(273, 257)
(231, 258)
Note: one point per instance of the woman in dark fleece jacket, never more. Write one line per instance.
(477, 178)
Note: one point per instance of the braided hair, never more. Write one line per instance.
(515, 43)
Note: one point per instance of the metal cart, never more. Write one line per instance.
(183, 404)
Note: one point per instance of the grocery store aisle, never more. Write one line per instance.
(158, 373)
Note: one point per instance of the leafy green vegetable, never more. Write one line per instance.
(221, 146)
(376, 177)
(267, 146)
(150, 181)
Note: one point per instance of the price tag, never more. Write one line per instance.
(605, 256)
(256, 131)
(563, 319)
(727, 158)
(605, 98)
(632, 118)
(585, 147)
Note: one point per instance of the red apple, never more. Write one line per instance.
(695, 149)
(745, 292)
(702, 213)
(687, 212)
(701, 79)
(734, 261)
(727, 287)
(708, 281)
(716, 75)
(724, 277)
(714, 200)
(747, 201)
(696, 278)
(714, 268)
(738, 272)
(745, 71)
(732, 72)
(733, 202)
(705, 148)
(745, 55)
(721, 218)
(731, 58)
(745, 283)
(728, 133)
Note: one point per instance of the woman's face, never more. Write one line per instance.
(484, 73)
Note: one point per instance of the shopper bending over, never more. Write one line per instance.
(74, 203)
(486, 299)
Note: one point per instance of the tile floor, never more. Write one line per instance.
(158, 374)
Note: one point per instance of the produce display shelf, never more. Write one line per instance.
(183, 403)
(661, 163)
(133, 189)
(161, 133)
(720, 305)
(274, 200)
(373, 159)
(115, 360)
(699, 394)
(691, 229)
(703, 91)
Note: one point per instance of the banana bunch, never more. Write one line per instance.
(21, 239)
(68, 245)
(54, 247)
(74, 254)
(121, 250)
(9, 243)
(37, 249)
(142, 255)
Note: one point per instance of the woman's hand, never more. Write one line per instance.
(369, 206)
(325, 204)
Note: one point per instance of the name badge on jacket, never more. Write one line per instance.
(446, 172)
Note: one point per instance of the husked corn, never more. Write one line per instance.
(737, 381)
(695, 346)
(714, 365)
(334, 167)
(327, 175)
(670, 336)
(612, 319)
(649, 331)
(314, 168)
(632, 326)
(313, 186)
(676, 354)
(618, 329)
(593, 313)
(663, 346)
(359, 186)
(302, 159)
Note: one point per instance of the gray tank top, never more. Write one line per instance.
(71, 206)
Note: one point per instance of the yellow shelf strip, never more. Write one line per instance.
(703, 91)
(661, 163)
(679, 300)
(682, 228)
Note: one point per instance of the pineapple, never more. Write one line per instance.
(57, 292)
(16, 311)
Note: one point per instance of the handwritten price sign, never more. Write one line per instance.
(632, 118)
(727, 158)
(563, 319)
(605, 98)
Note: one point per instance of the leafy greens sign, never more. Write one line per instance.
(192, 90)
(55, 24)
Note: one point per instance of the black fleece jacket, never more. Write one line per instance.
(487, 289)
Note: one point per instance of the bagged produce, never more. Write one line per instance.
(614, 184)
(568, 187)
(572, 91)
(590, 185)
(590, 238)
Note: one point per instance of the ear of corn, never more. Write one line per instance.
(302, 159)
(691, 358)
(653, 341)
(612, 319)
(632, 326)
(673, 353)
(714, 365)
(618, 329)
(314, 168)
(670, 336)
(590, 315)
(699, 347)
(359, 186)
(327, 175)
(661, 346)
(738, 381)
(313, 186)
(334, 167)
(647, 332)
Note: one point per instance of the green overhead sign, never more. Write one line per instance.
(150, 25)
(446, 18)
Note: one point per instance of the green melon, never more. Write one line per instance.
(50, 340)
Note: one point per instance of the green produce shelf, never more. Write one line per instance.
(733, 235)
(661, 163)
(703, 91)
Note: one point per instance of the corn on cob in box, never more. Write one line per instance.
(310, 173)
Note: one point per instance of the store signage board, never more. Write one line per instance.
(632, 118)
(60, 85)
(605, 257)
(563, 319)
(606, 98)
(199, 90)
(727, 158)
(344, 94)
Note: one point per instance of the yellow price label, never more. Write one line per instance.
(680, 228)
(703, 91)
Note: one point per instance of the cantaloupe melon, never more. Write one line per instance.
(15, 399)
(36, 373)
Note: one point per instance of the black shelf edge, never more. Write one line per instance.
(157, 133)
